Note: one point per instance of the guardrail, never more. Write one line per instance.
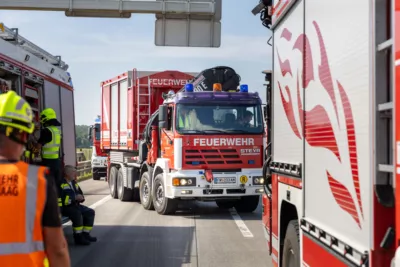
(84, 169)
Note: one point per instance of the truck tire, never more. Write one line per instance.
(124, 193)
(95, 176)
(247, 204)
(112, 182)
(291, 246)
(145, 192)
(225, 204)
(162, 204)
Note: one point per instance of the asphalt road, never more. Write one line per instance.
(200, 235)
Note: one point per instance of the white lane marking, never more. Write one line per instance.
(94, 206)
(240, 223)
(100, 202)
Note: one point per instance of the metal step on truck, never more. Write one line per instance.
(216, 156)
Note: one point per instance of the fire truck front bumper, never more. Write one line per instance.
(192, 184)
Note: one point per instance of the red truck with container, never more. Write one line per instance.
(99, 157)
(153, 158)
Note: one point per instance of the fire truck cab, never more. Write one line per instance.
(204, 146)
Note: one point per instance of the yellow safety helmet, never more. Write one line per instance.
(16, 113)
(47, 114)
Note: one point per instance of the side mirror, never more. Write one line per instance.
(163, 124)
(89, 133)
(163, 113)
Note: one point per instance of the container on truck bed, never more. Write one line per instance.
(128, 101)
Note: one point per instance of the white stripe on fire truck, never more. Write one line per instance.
(274, 258)
(275, 243)
(397, 63)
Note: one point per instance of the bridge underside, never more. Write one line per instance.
(194, 23)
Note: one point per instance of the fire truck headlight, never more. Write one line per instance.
(187, 181)
(258, 180)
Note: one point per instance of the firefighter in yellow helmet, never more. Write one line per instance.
(50, 142)
(30, 228)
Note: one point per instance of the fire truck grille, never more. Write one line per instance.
(211, 156)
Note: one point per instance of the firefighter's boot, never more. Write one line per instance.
(81, 240)
(88, 237)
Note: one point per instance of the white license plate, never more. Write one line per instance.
(224, 180)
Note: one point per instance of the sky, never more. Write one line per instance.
(97, 49)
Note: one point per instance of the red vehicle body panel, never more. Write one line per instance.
(134, 105)
(313, 254)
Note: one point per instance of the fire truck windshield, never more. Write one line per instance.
(97, 131)
(220, 118)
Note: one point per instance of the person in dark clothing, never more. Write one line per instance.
(50, 142)
(247, 117)
(82, 217)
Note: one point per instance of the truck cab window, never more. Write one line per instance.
(97, 131)
(9, 81)
(223, 118)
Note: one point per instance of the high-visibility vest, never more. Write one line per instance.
(51, 150)
(184, 123)
(22, 201)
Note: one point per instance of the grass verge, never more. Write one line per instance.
(85, 177)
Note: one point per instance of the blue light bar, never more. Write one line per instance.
(244, 88)
(97, 120)
(189, 87)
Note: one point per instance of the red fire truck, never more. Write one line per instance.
(99, 157)
(334, 139)
(215, 158)
(42, 79)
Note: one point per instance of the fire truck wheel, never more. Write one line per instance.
(124, 193)
(291, 246)
(146, 198)
(162, 204)
(225, 204)
(112, 182)
(247, 204)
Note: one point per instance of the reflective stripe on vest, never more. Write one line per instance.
(185, 124)
(51, 150)
(28, 202)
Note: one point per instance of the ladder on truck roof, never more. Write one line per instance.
(143, 108)
(384, 104)
(12, 35)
